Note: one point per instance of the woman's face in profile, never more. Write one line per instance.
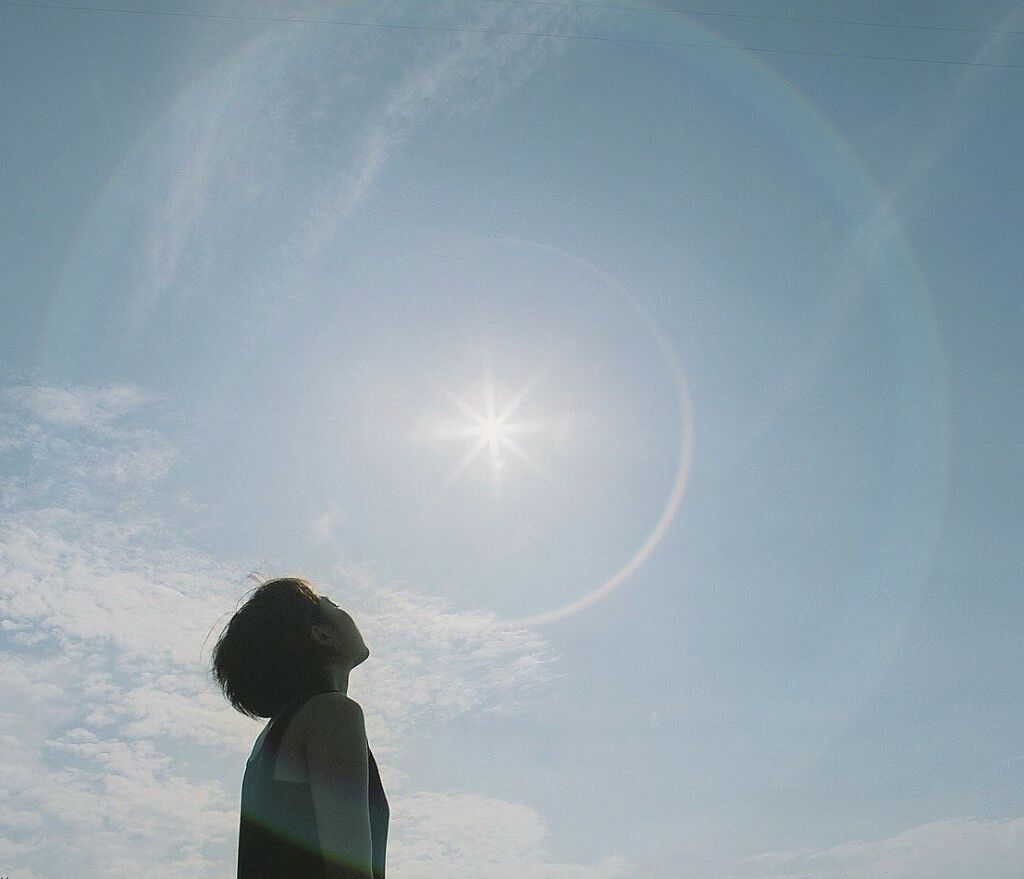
(349, 639)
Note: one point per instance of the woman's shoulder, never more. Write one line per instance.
(333, 700)
(331, 732)
(332, 710)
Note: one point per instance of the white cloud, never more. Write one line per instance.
(949, 849)
(69, 446)
(429, 663)
(80, 406)
(83, 579)
(320, 529)
(439, 835)
(119, 756)
(79, 803)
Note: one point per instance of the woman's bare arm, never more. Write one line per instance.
(336, 758)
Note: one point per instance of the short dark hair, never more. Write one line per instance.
(265, 656)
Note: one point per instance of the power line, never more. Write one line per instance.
(507, 33)
(583, 4)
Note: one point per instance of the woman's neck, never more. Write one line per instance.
(337, 678)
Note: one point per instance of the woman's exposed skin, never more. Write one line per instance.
(342, 641)
(334, 744)
(336, 760)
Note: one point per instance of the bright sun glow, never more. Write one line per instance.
(490, 429)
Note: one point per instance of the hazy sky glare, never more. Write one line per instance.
(239, 260)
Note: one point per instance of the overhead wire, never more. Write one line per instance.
(752, 16)
(597, 38)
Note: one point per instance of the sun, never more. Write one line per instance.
(490, 429)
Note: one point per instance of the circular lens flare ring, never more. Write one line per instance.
(491, 430)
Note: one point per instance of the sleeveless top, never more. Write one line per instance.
(277, 836)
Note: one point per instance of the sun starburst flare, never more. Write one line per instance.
(491, 430)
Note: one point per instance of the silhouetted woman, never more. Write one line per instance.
(312, 800)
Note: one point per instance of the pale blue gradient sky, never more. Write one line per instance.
(240, 259)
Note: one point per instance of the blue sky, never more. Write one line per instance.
(743, 598)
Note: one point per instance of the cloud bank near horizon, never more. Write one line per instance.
(948, 849)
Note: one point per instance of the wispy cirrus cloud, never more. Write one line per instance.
(291, 134)
(462, 72)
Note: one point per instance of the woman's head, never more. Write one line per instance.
(281, 643)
